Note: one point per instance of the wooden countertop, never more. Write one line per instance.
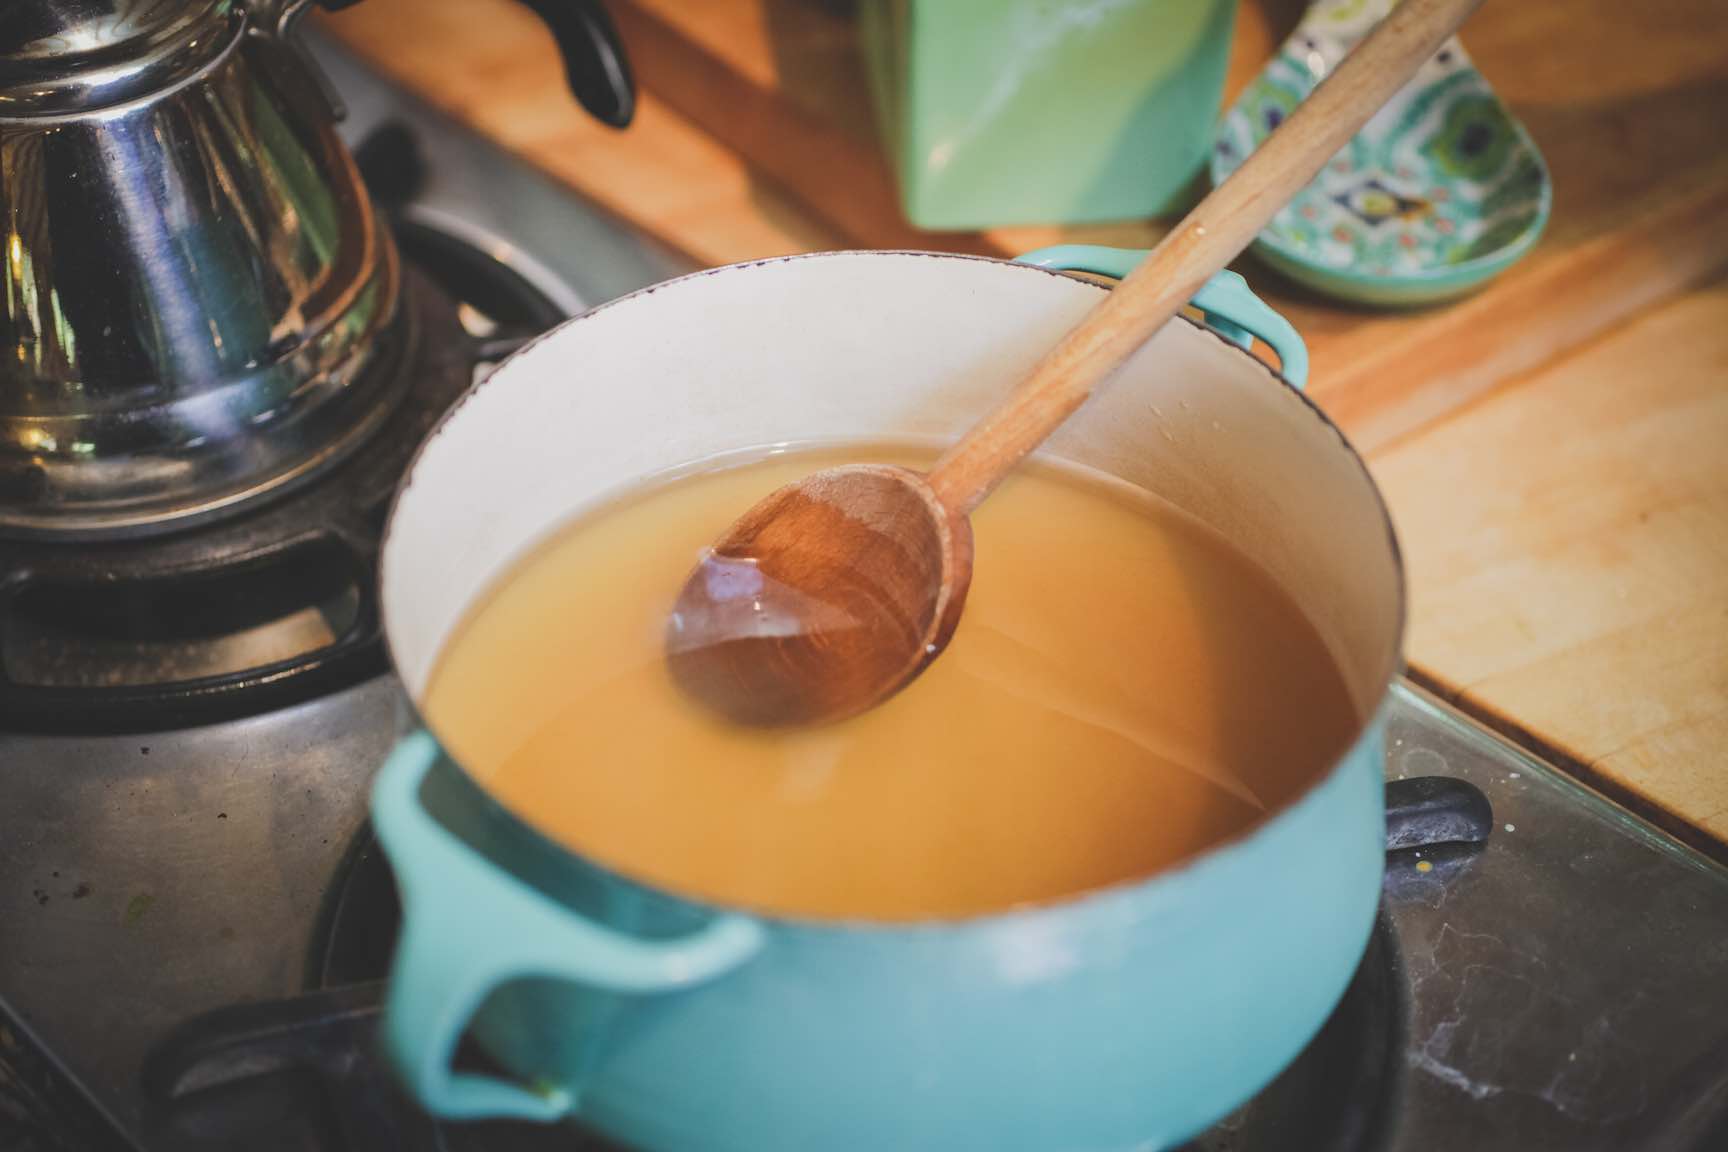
(1555, 448)
(1567, 544)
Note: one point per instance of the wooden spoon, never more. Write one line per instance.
(833, 593)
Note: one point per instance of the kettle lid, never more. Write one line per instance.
(67, 56)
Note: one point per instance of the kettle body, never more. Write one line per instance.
(200, 305)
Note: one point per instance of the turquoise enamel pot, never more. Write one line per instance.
(1125, 1018)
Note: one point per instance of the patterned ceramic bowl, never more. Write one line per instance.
(1441, 191)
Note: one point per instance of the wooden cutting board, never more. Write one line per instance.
(754, 139)
(1567, 546)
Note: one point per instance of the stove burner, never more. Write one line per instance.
(1338, 1095)
(270, 607)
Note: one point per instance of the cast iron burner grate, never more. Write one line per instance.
(276, 604)
(305, 1074)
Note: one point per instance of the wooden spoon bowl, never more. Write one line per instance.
(829, 595)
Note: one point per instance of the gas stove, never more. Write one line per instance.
(194, 922)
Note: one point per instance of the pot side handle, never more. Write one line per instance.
(1230, 307)
(469, 927)
(1426, 810)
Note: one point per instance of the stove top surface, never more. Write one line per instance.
(1565, 987)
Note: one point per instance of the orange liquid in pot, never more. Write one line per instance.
(1125, 690)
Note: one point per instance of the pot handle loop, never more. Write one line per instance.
(469, 927)
(1230, 307)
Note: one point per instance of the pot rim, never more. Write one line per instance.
(1367, 726)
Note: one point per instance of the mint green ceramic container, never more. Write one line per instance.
(1000, 112)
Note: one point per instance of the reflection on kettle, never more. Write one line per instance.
(200, 306)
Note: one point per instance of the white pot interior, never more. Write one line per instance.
(876, 346)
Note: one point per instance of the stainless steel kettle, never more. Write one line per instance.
(199, 301)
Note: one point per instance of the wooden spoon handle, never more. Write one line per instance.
(1203, 243)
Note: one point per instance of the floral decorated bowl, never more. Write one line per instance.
(1441, 191)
